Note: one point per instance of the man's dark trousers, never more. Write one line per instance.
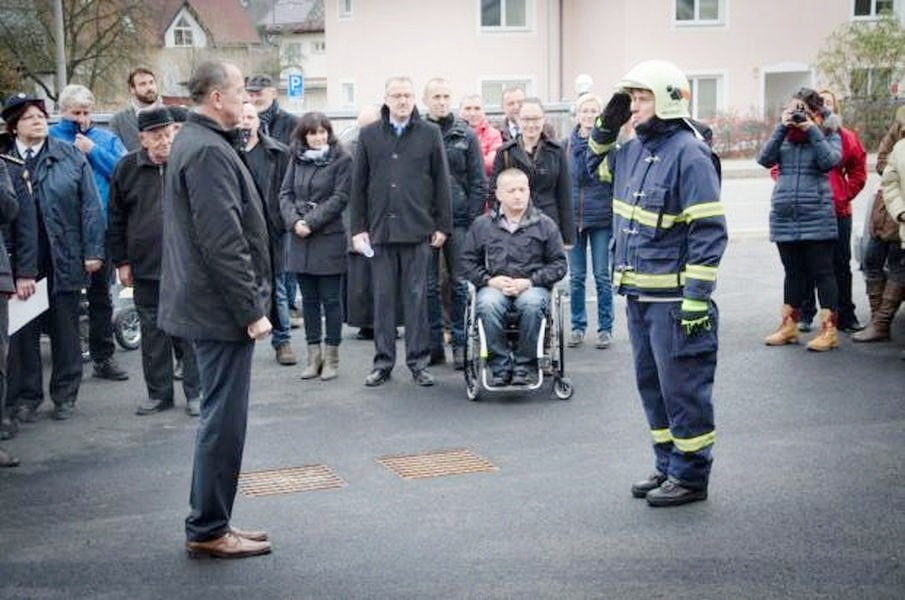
(156, 349)
(100, 314)
(403, 266)
(24, 366)
(225, 369)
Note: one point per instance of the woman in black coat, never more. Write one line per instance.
(314, 194)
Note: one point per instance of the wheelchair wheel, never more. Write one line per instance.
(472, 369)
(563, 388)
(127, 329)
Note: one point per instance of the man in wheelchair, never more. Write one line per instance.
(513, 256)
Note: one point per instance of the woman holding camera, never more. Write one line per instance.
(314, 194)
(805, 146)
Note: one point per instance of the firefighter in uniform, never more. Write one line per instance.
(670, 233)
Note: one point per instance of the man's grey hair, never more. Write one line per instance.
(208, 76)
(399, 79)
(74, 95)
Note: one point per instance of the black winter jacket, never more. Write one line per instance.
(468, 184)
(400, 185)
(548, 177)
(269, 183)
(317, 191)
(215, 277)
(533, 251)
(135, 230)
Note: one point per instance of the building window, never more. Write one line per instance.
(318, 47)
(292, 54)
(492, 89)
(705, 97)
(699, 12)
(345, 9)
(347, 93)
(871, 83)
(504, 14)
(872, 8)
(182, 33)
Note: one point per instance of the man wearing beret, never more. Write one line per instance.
(136, 236)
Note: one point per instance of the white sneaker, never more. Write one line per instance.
(604, 340)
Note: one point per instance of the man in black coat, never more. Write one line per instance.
(135, 234)
(215, 289)
(468, 189)
(400, 208)
(267, 160)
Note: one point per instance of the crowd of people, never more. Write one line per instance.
(222, 216)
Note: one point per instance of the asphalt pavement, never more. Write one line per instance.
(807, 497)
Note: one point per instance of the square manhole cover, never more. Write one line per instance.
(271, 482)
(436, 464)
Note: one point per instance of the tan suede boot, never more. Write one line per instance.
(878, 330)
(787, 333)
(828, 338)
(315, 362)
(331, 363)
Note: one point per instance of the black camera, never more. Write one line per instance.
(798, 116)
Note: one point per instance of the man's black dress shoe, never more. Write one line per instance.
(27, 413)
(109, 369)
(8, 460)
(423, 378)
(377, 377)
(365, 333)
(641, 488)
(62, 411)
(8, 429)
(149, 406)
(850, 325)
(673, 494)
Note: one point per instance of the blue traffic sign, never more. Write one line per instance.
(296, 87)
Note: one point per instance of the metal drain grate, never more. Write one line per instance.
(271, 482)
(437, 464)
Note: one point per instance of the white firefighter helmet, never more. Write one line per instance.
(669, 85)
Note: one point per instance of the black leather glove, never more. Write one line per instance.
(617, 111)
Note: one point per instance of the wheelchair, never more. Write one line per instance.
(550, 350)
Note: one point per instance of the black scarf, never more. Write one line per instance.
(267, 117)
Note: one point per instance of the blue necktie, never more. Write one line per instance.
(30, 160)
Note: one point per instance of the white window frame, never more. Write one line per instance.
(874, 13)
(719, 100)
(720, 21)
(184, 27)
(503, 26)
(344, 9)
(347, 93)
(526, 83)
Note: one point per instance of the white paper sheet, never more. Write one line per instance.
(23, 311)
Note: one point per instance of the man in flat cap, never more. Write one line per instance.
(275, 122)
(136, 238)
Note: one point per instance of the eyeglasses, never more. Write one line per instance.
(531, 119)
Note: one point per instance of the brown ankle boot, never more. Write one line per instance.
(787, 333)
(878, 330)
(828, 338)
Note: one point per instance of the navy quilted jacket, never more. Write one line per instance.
(802, 203)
